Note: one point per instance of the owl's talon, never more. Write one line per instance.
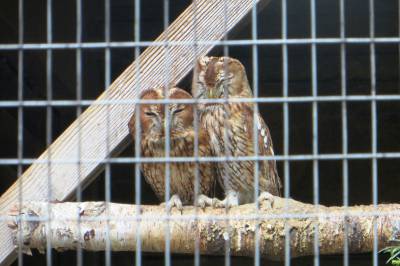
(231, 200)
(216, 203)
(174, 201)
(266, 197)
(203, 201)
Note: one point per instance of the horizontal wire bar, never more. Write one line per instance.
(220, 217)
(132, 44)
(126, 160)
(292, 99)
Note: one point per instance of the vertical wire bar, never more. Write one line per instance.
(315, 126)
(197, 181)
(226, 142)
(373, 126)
(78, 58)
(107, 81)
(254, 49)
(138, 195)
(167, 136)
(20, 113)
(225, 46)
(78, 62)
(286, 169)
(196, 122)
(345, 164)
(49, 117)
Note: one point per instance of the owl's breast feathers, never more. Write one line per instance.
(182, 174)
(235, 123)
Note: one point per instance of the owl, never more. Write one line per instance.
(230, 127)
(153, 121)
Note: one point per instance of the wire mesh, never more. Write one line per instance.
(227, 44)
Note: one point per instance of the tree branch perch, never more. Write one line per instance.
(211, 227)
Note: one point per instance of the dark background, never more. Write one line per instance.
(270, 80)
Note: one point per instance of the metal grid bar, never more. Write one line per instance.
(227, 43)
(345, 164)
(196, 142)
(222, 217)
(285, 85)
(314, 85)
(138, 192)
(373, 128)
(20, 151)
(167, 74)
(226, 145)
(49, 119)
(254, 50)
(78, 76)
(289, 99)
(107, 82)
(128, 160)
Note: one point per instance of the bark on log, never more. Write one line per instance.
(213, 227)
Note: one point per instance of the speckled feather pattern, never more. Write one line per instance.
(182, 174)
(230, 127)
(238, 129)
(182, 136)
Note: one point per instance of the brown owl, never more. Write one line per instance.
(230, 129)
(182, 134)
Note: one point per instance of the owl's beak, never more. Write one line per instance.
(211, 93)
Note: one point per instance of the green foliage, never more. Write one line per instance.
(394, 252)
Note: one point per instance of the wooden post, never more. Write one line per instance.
(86, 137)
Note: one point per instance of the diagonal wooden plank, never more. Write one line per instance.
(88, 135)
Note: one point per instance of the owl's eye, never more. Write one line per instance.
(178, 110)
(225, 77)
(150, 113)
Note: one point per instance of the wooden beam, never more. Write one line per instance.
(86, 137)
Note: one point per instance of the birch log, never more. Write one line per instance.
(213, 227)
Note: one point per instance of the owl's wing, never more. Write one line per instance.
(265, 148)
(208, 170)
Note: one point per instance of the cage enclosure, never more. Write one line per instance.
(325, 73)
